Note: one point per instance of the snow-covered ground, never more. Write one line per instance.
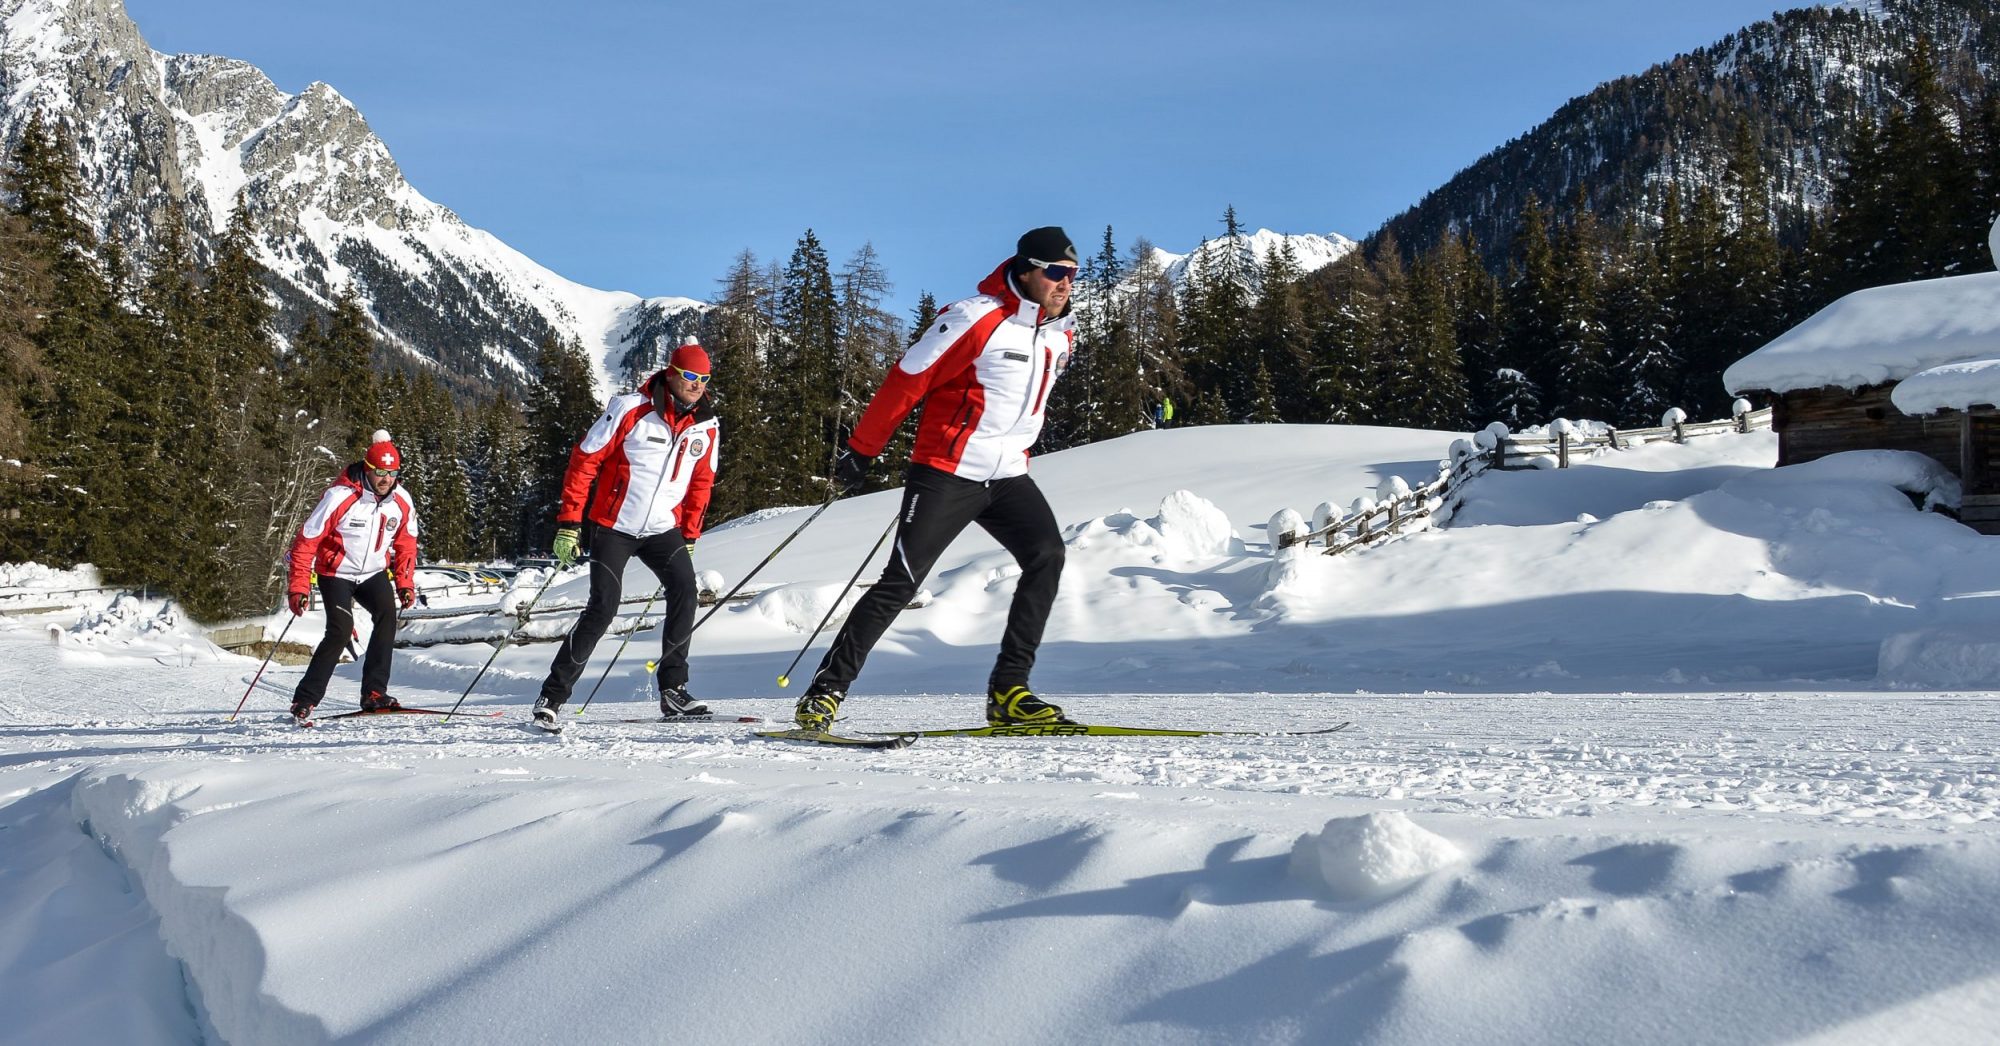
(1668, 747)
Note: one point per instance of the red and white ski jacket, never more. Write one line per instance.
(353, 534)
(653, 465)
(983, 372)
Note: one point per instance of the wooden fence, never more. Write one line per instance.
(1397, 507)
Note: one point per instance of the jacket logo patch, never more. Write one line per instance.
(695, 446)
(1021, 356)
(656, 439)
(356, 524)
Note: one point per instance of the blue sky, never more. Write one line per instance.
(640, 145)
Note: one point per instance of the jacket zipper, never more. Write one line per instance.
(1048, 378)
(1034, 342)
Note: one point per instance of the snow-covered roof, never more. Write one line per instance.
(1953, 386)
(1879, 335)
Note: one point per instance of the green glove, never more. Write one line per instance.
(565, 547)
(690, 548)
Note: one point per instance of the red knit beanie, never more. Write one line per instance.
(382, 454)
(690, 357)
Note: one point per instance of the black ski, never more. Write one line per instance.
(821, 737)
(411, 711)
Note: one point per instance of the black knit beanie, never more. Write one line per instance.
(1046, 244)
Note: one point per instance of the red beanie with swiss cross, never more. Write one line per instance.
(382, 454)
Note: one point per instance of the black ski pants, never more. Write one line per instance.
(936, 507)
(666, 555)
(338, 595)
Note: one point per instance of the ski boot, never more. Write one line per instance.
(302, 713)
(377, 701)
(817, 708)
(545, 714)
(675, 702)
(1018, 706)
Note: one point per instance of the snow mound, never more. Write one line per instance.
(800, 608)
(709, 581)
(1188, 528)
(139, 627)
(1915, 474)
(1370, 857)
(1940, 659)
(38, 576)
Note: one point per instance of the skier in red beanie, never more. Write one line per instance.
(361, 540)
(642, 475)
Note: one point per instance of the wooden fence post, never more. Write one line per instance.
(1562, 450)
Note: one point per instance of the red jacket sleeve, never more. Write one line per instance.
(588, 456)
(950, 346)
(326, 516)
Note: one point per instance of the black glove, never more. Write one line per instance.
(407, 597)
(850, 471)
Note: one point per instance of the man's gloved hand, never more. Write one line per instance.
(850, 471)
(565, 546)
(297, 602)
(407, 597)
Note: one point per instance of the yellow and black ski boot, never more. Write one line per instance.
(1018, 706)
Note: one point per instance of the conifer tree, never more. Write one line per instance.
(1753, 305)
(805, 375)
(80, 472)
(921, 317)
(738, 332)
(268, 465)
(25, 291)
(1533, 302)
(1344, 343)
(1437, 398)
(1215, 343)
(560, 409)
(497, 478)
(1580, 368)
(1638, 331)
(1145, 317)
(1701, 294)
(163, 429)
(1515, 399)
(1477, 320)
(340, 377)
(1392, 376)
(1283, 334)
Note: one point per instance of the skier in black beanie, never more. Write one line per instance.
(986, 366)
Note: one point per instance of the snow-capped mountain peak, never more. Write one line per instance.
(332, 207)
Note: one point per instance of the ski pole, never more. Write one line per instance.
(621, 647)
(524, 612)
(765, 563)
(786, 679)
(738, 587)
(260, 669)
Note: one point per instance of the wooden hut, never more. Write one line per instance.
(1911, 366)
